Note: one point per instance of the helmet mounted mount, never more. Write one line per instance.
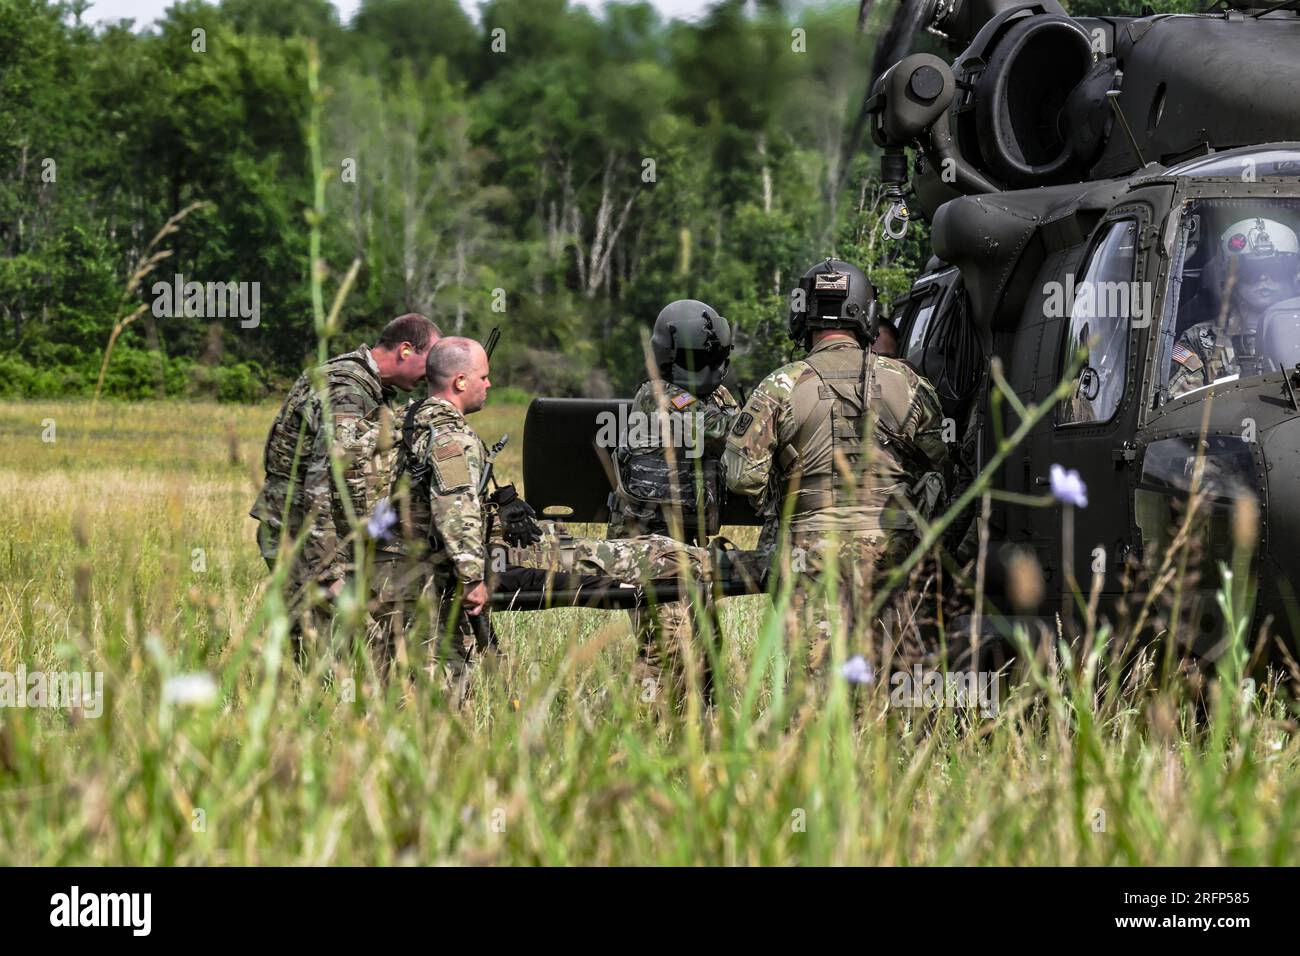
(834, 295)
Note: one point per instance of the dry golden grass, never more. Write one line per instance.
(555, 760)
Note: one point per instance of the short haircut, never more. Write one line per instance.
(448, 358)
(413, 328)
(887, 325)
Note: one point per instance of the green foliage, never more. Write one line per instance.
(241, 382)
(1133, 8)
(509, 395)
(581, 178)
(134, 374)
(565, 187)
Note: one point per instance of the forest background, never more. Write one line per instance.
(559, 173)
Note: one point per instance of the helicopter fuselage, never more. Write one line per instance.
(1111, 276)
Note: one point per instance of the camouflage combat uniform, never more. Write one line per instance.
(1202, 354)
(439, 549)
(297, 496)
(802, 434)
(682, 500)
(632, 561)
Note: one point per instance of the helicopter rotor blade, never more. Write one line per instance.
(864, 13)
(896, 42)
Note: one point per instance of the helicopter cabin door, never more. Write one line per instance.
(1099, 307)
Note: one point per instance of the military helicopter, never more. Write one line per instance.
(1103, 184)
(1149, 164)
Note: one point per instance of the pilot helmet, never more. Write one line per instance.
(691, 344)
(1259, 238)
(1254, 249)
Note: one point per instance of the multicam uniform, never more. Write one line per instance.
(801, 433)
(630, 561)
(440, 550)
(681, 500)
(1202, 354)
(296, 496)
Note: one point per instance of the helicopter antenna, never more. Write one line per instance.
(864, 14)
(1113, 96)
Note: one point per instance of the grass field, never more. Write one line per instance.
(128, 551)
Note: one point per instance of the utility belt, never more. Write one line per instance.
(819, 493)
(878, 519)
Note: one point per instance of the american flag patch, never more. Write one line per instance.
(682, 400)
(1182, 353)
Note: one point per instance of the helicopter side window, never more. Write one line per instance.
(1101, 306)
(930, 295)
(914, 350)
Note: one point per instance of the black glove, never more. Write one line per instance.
(518, 519)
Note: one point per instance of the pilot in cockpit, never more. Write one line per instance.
(1253, 268)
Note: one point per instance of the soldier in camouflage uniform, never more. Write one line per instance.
(630, 561)
(667, 467)
(1257, 260)
(297, 497)
(854, 437)
(429, 583)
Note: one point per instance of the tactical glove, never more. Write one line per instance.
(518, 519)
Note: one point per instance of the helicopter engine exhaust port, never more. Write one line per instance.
(1020, 98)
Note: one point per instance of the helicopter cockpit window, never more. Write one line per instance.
(1233, 308)
(1242, 165)
(1101, 306)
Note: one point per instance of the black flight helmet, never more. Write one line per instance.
(834, 295)
(692, 346)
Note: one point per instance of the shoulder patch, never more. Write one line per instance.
(743, 421)
(682, 400)
(802, 371)
(450, 470)
(1186, 357)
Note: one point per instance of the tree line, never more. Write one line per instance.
(558, 173)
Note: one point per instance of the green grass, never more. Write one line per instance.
(555, 759)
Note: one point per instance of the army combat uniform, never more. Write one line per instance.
(439, 551)
(1202, 355)
(853, 468)
(681, 499)
(630, 561)
(296, 497)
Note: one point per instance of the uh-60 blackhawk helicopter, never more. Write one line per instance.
(1125, 188)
